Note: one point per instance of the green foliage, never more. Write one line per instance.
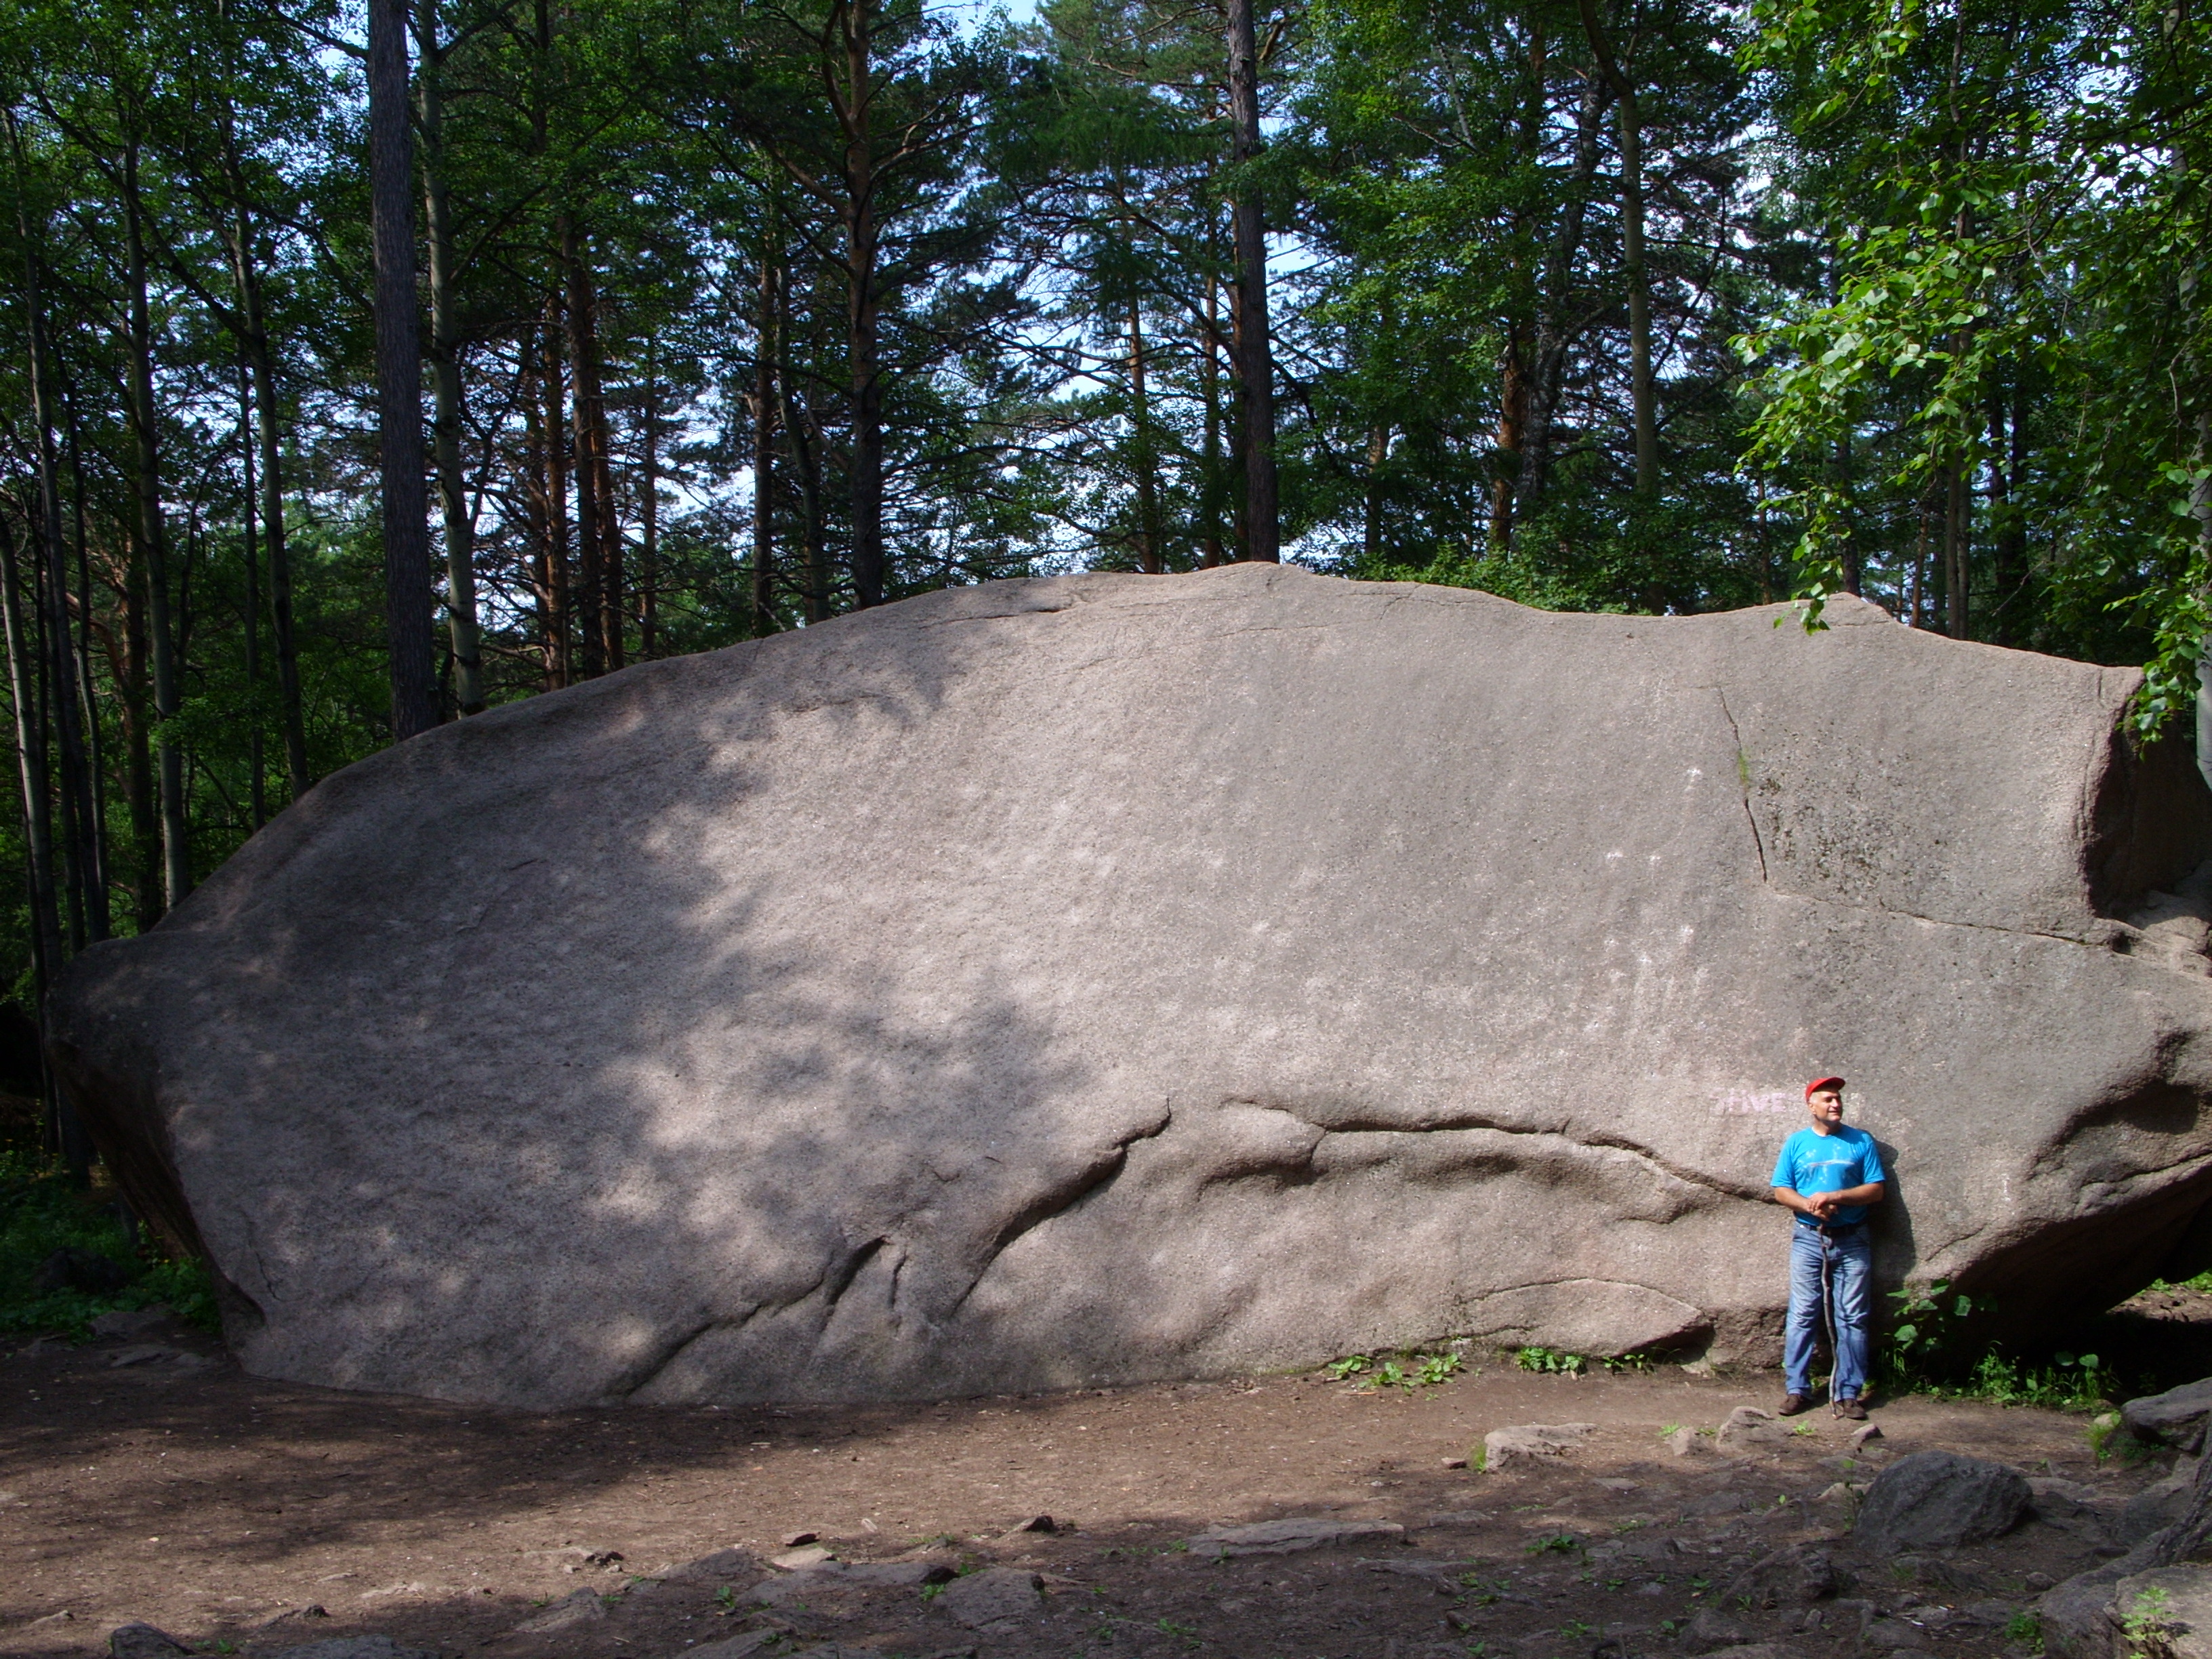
(1418, 1370)
(1550, 1360)
(1558, 1543)
(2146, 1626)
(2025, 1629)
(40, 1214)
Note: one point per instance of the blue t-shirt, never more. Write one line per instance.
(1813, 1162)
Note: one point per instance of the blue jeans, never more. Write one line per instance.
(1848, 1259)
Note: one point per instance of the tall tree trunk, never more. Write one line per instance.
(855, 113)
(560, 639)
(446, 375)
(1141, 457)
(584, 429)
(1630, 114)
(530, 394)
(407, 600)
(257, 779)
(1256, 357)
(2008, 459)
(98, 876)
(153, 541)
(1209, 483)
(1512, 423)
(1553, 335)
(32, 769)
(68, 1134)
(804, 435)
(649, 548)
(132, 678)
(765, 356)
(87, 902)
(1956, 503)
(1370, 527)
(261, 361)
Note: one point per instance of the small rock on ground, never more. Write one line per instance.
(996, 1593)
(1532, 1443)
(1939, 1500)
(143, 1642)
(2176, 1417)
(1749, 1430)
(581, 1606)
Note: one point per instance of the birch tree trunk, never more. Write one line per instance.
(446, 375)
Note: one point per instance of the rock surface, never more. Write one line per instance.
(1286, 1537)
(2176, 1417)
(984, 1598)
(1032, 986)
(1939, 1500)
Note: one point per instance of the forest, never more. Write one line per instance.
(366, 366)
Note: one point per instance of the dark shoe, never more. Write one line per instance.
(1794, 1404)
(1851, 1408)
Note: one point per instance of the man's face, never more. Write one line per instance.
(1827, 1107)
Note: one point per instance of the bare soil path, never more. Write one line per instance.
(210, 1503)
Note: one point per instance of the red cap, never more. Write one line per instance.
(1820, 1083)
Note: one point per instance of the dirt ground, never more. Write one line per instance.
(236, 1513)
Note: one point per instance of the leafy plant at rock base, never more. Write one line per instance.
(1350, 1366)
(2025, 1629)
(2145, 1627)
(1436, 1367)
(1550, 1360)
(1559, 1543)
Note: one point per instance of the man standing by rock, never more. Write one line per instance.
(1829, 1173)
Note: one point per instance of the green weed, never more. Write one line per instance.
(1559, 1543)
(1350, 1365)
(1436, 1367)
(1551, 1360)
(2202, 1284)
(2025, 1628)
(2145, 1627)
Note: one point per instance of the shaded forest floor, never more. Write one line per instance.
(138, 1486)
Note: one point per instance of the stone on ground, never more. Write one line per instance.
(143, 1642)
(2176, 1417)
(1940, 1500)
(1795, 1575)
(1711, 1631)
(581, 1606)
(1532, 1443)
(1749, 1431)
(1031, 986)
(984, 1598)
(1286, 1537)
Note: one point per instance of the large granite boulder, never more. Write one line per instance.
(1081, 981)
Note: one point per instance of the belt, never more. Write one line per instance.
(1833, 1230)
